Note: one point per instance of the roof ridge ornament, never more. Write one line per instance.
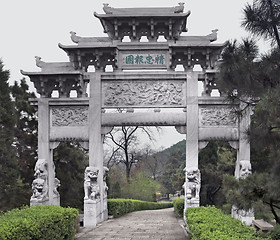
(74, 37)
(107, 9)
(213, 36)
(39, 62)
(180, 8)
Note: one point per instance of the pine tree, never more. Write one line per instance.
(25, 130)
(262, 18)
(70, 162)
(258, 77)
(9, 174)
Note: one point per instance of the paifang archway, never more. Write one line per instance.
(85, 119)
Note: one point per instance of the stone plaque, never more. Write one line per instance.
(143, 93)
(69, 116)
(217, 116)
(143, 59)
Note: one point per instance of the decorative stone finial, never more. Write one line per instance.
(74, 37)
(107, 9)
(180, 8)
(213, 36)
(39, 62)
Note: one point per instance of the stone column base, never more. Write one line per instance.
(34, 202)
(91, 213)
(105, 210)
(192, 203)
(55, 201)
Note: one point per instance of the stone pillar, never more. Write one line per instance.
(44, 186)
(243, 165)
(192, 184)
(93, 209)
(105, 192)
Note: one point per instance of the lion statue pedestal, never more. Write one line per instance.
(92, 203)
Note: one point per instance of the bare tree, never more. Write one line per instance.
(126, 141)
(151, 161)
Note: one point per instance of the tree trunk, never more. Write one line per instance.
(275, 29)
(274, 212)
(127, 171)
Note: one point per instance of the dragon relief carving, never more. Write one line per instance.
(143, 93)
(217, 116)
(69, 116)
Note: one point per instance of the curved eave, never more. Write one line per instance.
(67, 48)
(199, 45)
(49, 73)
(135, 14)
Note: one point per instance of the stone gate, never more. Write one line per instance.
(143, 77)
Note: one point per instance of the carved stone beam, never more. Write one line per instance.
(140, 119)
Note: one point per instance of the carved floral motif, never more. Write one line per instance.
(143, 93)
(69, 116)
(217, 116)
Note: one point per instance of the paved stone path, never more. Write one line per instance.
(152, 225)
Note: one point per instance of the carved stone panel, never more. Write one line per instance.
(143, 93)
(69, 116)
(217, 116)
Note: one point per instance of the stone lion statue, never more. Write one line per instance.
(245, 169)
(91, 187)
(41, 169)
(39, 189)
(192, 185)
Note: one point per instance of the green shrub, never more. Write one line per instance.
(38, 222)
(119, 207)
(210, 223)
(179, 206)
(274, 233)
